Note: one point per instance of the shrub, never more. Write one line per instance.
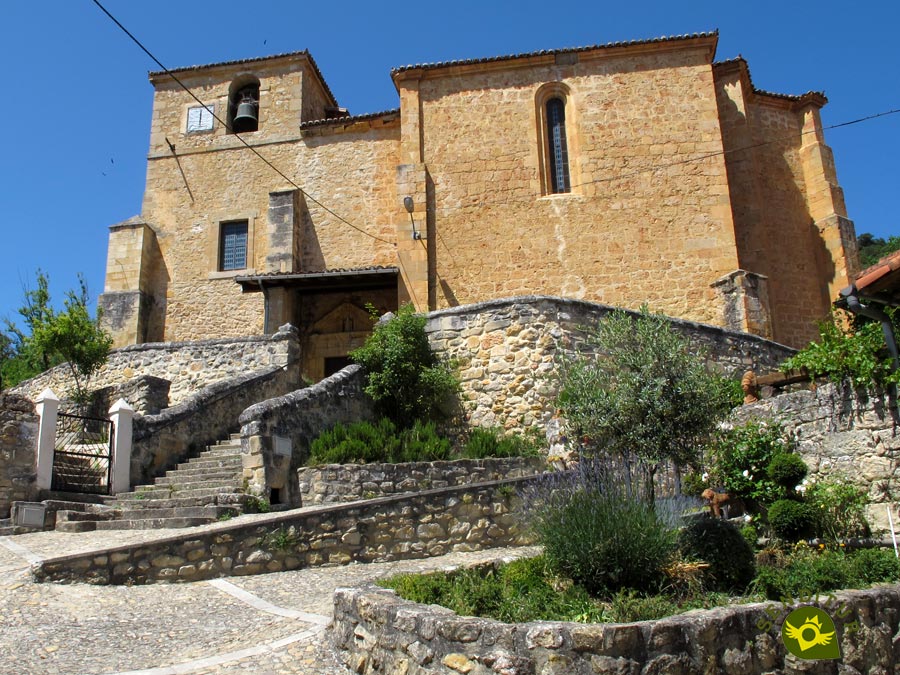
(363, 442)
(791, 520)
(750, 535)
(492, 443)
(404, 378)
(603, 539)
(840, 508)
(875, 565)
(805, 572)
(741, 457)
(722, 545)
(787, 470)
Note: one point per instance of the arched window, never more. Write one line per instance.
(558, 149)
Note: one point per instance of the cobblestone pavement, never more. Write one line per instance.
(270, 624)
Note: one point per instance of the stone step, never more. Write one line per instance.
(220, 498)
(58, 495)
(210, 464)
(209, 511)
(148, 524)
(169, 490)
(182, 476)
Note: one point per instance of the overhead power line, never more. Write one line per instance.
(236, 135)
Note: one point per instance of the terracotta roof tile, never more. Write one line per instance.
(546, 52)
(349, 119)
(812, 96)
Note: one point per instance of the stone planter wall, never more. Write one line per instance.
(376, 632)
(430, 523)
(333, 483)
(506, 351)
(189, 366)
(845, 433)
(18, 450)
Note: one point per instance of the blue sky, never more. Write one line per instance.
(75, 114)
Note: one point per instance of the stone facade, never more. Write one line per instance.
(429, 523)
(376, 632)
(188, 366)
(450, 199)
(335, 483)
(18, 448)
(843, 434)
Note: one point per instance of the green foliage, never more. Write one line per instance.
(872, 249)
(363, 442)
(791, 519)
(51, 337)
(484, 442)
(875, 565)
(647, 391)
(840, 508)
(856, 353)
(722, 545)
(404, 378)
(255, 504)
(519, 591)
(750, 535)
(282, 539)
(604, 540)
(787, 470)
(741, 457)
(693, 484)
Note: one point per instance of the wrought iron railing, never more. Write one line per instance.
(82, 457)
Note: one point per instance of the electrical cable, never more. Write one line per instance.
(238, 136)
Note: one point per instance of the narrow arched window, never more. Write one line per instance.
(558, 149)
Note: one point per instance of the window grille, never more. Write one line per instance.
(233, 248)
(559, 152)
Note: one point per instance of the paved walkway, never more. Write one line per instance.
(270, 624)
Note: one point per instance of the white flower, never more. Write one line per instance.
(746, 474)
(800, 488)
(704, 477)
(726, 426)
(747, 518)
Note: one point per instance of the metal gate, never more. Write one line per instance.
(82, 456)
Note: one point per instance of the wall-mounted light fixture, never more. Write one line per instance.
(409, 206)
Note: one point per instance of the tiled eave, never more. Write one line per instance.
(738, 63)
(708, 40)
(335, 279)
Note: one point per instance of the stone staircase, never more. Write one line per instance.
(200, 491)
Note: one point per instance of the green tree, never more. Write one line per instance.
(872, 248)
(51, 337)
(404, 377)
(646, 392)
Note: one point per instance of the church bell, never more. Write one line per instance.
(246, 117)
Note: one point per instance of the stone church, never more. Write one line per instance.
(624, 173)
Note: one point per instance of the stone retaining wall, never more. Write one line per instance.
(276, 434)
(505, 351)
(210, 415)
(428, 523)
(333, 483)
(18, 449)
(843, 433)
(189, 366)
(376, 632)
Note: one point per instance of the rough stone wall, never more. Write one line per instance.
(428, 523)
(843, 434)
(505, 351)
(334, 483)
(211, 414)
(276, 433)
(376, 632)
(18, 450)
(189, 366)
(626, 234)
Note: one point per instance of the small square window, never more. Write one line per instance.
(200, 118)
(233, 246)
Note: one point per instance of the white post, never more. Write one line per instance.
(47, 406)
(121, 415)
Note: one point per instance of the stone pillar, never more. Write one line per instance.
(282, 230)
(47, 406)
(121, 415)
(745, 302)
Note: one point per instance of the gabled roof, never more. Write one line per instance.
(739, 62)
(881, 281)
